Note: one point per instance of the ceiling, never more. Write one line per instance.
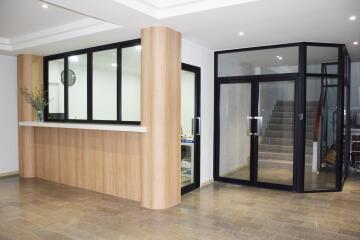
(212, 23)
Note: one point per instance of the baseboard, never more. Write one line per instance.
(207, 183)
(8, 174)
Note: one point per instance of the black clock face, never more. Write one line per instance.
(71, 77)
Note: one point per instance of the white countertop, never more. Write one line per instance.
(88, 126)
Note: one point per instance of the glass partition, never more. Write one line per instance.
(320, 140)
(273, 132)
(130, 83)
(105, 85)
(56, 89)
(318, 56)
(259, 62)
(77, 87)
(101, 84)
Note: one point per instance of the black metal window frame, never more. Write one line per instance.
(300, 104)
(89, 52)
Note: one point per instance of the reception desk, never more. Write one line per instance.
(132, 162)
(101, 158)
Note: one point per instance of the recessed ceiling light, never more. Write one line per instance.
(138, 47)
(352, 18)
(356, 43)
(74, 59)
(114, 65)
(241, 33)
(44, 6)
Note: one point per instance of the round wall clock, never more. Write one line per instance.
(71, 77)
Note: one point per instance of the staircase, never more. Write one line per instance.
(276, 144)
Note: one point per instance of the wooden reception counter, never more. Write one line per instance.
(101, 158)
(133, 162)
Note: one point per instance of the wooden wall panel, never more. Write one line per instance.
(29, 74)
(102, 161)
(160, 113)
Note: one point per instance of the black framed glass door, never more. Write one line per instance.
(256, 132)
(190, 128)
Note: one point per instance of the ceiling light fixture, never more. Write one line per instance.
(241, 33)
(45, 6)
(279, 58)
(74, 59)
(356, 43)
(352, 18)
(114, 65)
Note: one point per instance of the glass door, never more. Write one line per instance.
(190, 128)
(235, 131)
(256, 132)
(274, 137)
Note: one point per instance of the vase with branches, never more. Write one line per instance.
(37, 100)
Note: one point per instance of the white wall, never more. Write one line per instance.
(197, 55)
(8, 116)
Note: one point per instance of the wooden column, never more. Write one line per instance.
(160, 113)
(30, 76)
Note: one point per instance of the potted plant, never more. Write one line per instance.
(37, 100)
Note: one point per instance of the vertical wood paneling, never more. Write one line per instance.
(102, 161)
(29, 71)
(160, 113)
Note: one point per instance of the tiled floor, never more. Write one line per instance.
(36, 209)
(326, 179)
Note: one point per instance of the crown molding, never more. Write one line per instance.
(75, 29)
(164, 9)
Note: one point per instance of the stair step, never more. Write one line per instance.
(285, 127)
(275, 120)
(291, 108)
(282, 141)
(282, 164)
(280, 134)
(291, 103)
(276, 114)
(280, 156)
(280, 148)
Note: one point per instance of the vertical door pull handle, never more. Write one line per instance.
(248, 126)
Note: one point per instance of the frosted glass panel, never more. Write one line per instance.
(257, 62)
(105, 85)
(131, 83)
(235, 108)
(56, 89)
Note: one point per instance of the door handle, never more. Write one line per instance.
(259, 124)
(196, 125)
(248, 132)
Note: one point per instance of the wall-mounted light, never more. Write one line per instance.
(356, 43)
